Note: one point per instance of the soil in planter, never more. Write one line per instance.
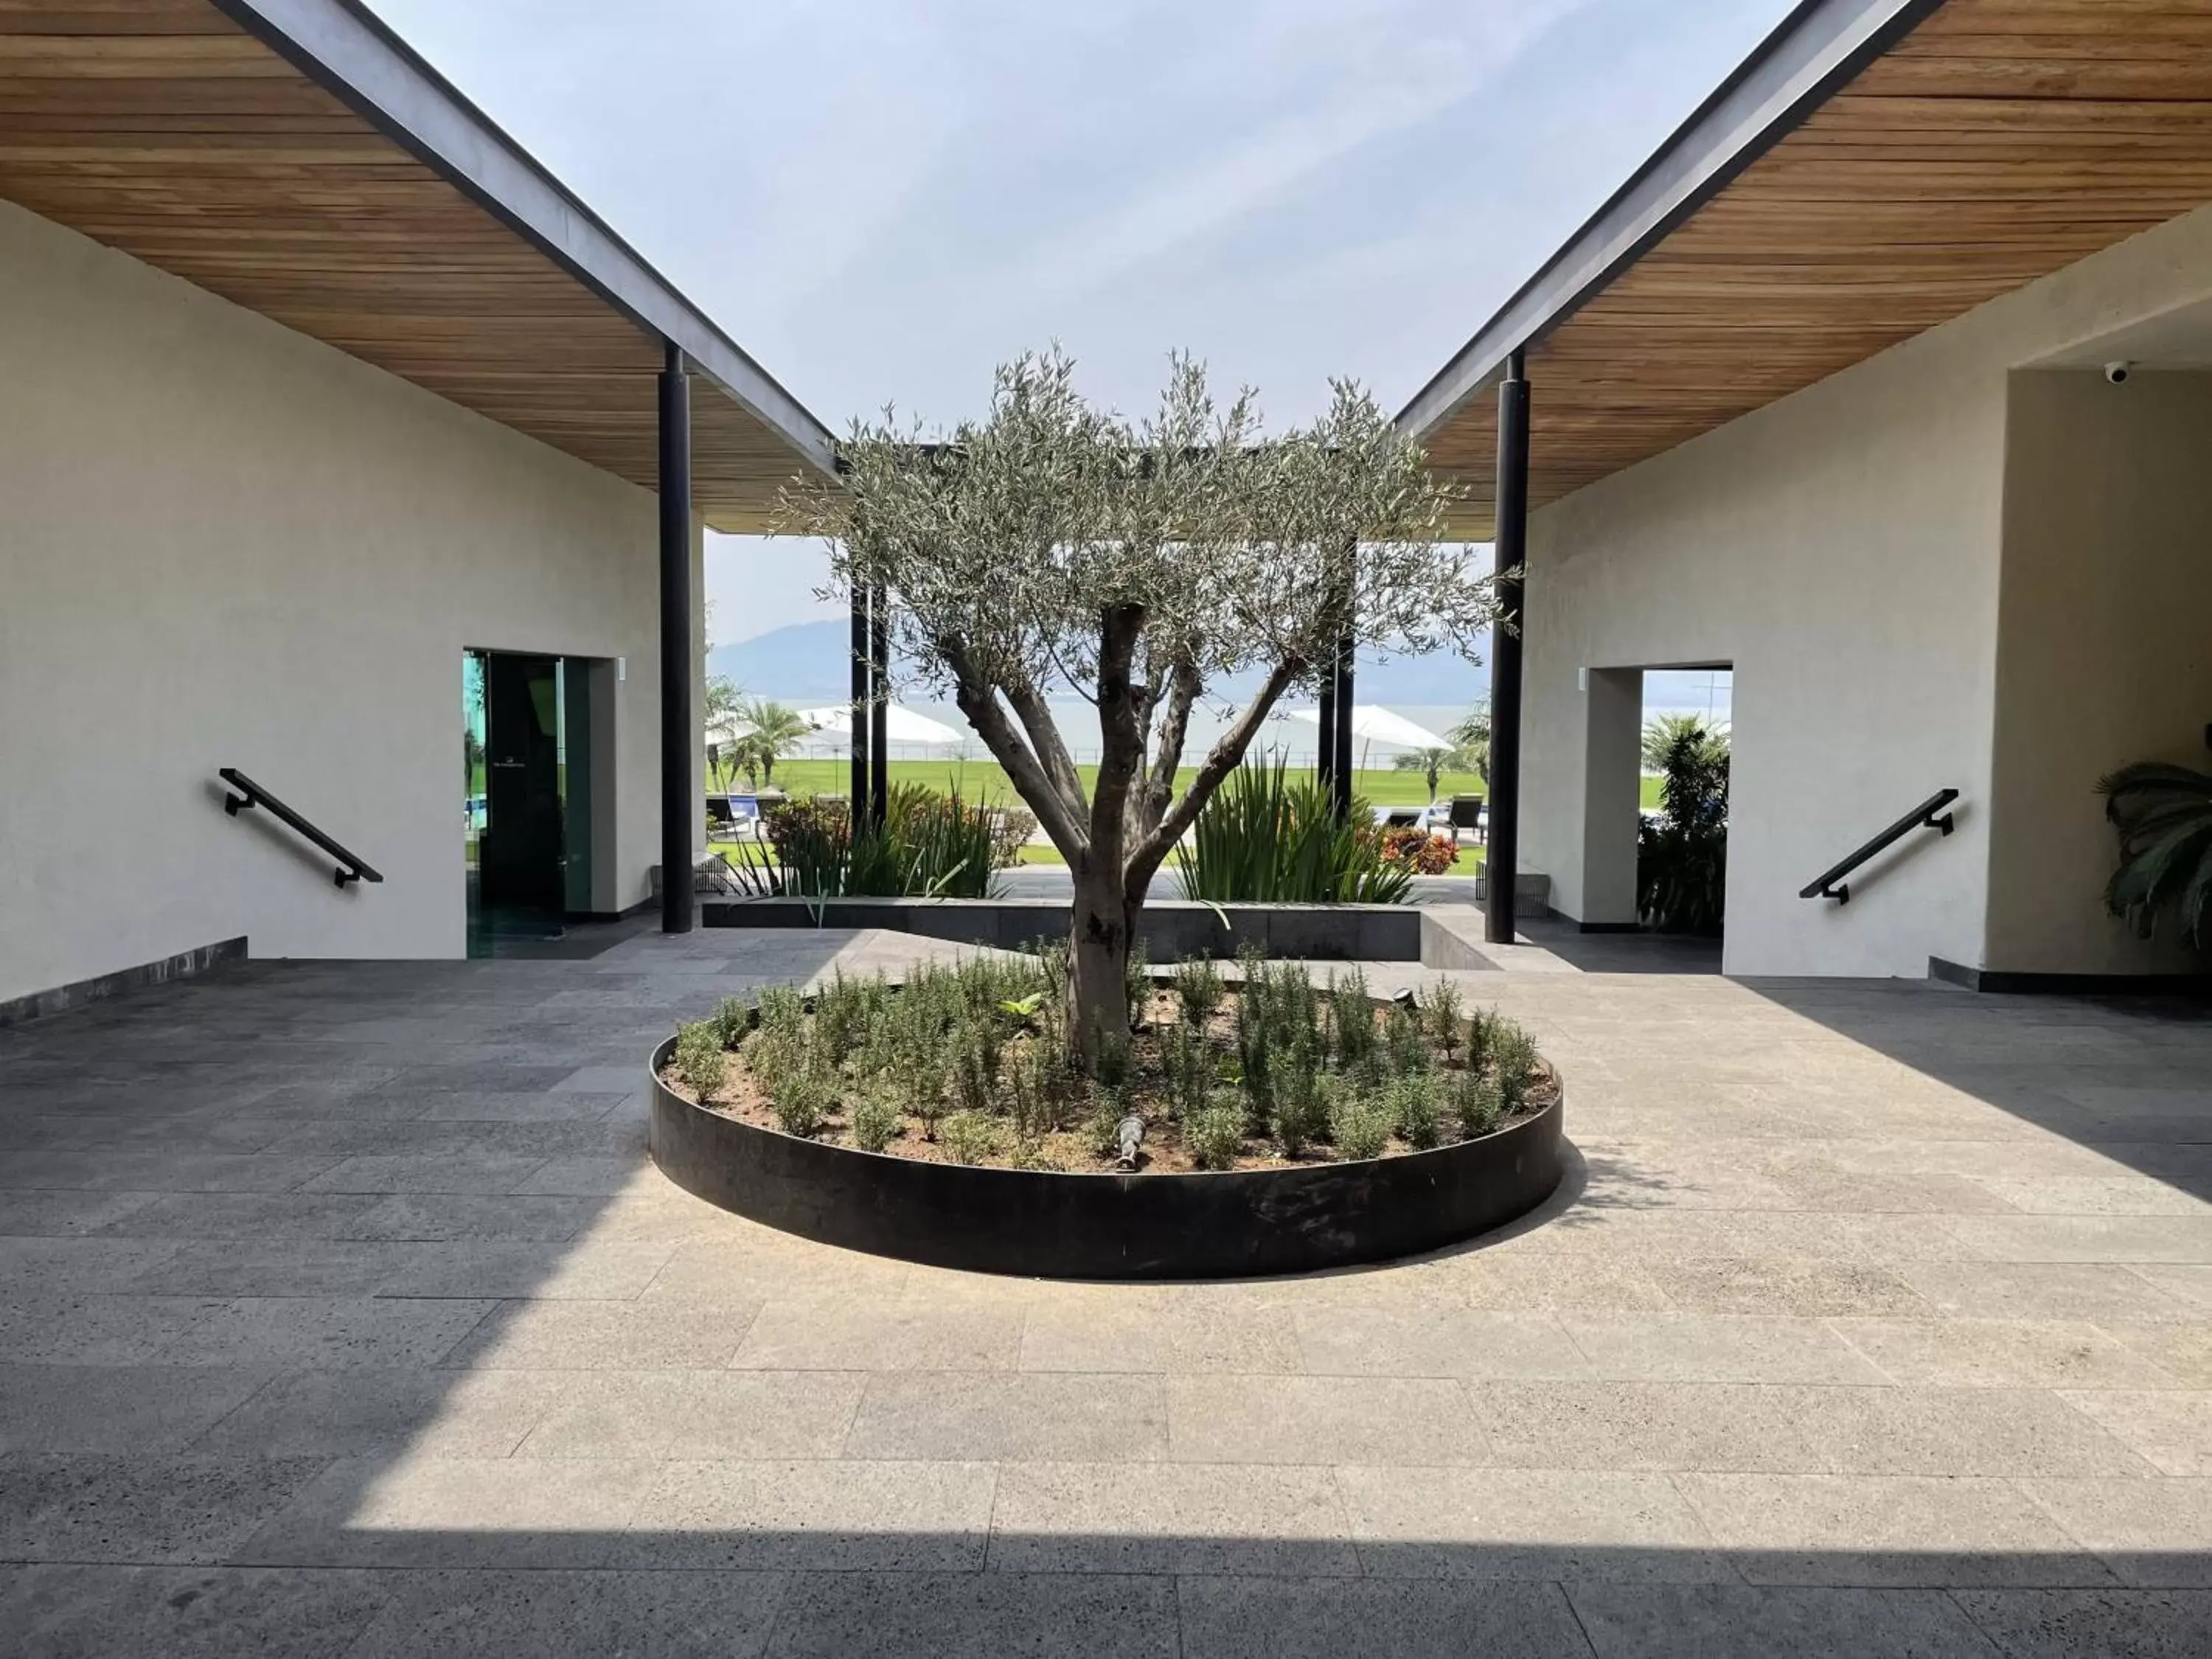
(1276, 1072)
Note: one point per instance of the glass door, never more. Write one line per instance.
(474, 802)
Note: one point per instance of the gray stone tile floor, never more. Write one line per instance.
(342, 1314)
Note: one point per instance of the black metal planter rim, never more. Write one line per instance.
(1052, 1224)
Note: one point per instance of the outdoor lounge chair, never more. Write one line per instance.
(1465, 814)
(733, 817)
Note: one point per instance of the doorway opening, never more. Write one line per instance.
(536, 780)
(1655, 765)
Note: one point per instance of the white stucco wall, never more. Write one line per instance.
(1842, 550)
(1839, 551)
(224, 544)
(2104, 648)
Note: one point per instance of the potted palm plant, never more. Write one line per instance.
(1681, 856)
(2163, 815)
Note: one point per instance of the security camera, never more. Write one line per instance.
(2118, 372)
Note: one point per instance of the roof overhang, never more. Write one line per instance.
(1875, 168)
(296, 157)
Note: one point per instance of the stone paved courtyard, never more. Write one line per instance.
(340, 1313)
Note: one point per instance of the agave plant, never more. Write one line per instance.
(929, 846)
(1268, 837)
(2163, 813)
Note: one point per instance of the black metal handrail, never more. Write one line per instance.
(352, 866)
(1923, 817)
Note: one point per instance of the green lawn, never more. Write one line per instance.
(985, 781)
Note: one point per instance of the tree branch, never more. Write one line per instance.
(1036, 716)
(1217, 764)
(979, 701)
(1183, 686)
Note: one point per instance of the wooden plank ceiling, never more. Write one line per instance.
(1999, 142)
(161, 128)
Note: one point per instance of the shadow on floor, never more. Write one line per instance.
(1622, 953)
(924, 1592)
(2128, 1077)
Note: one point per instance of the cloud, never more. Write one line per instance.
(882, 198)
(1336, 97)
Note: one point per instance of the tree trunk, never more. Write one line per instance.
(1098, 954)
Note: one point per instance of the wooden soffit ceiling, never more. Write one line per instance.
(1995, 142)
(303, 176)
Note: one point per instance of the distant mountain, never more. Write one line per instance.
(806, 664)
(803, 664)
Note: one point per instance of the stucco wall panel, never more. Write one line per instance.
(224, 544)
(1845, 549)
(1839, 552)
(2105, 647)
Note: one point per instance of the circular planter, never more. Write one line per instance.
(1232, 1224)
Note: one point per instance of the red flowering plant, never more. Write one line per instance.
(1429, 855)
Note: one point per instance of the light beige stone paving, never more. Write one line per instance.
(2048, 1353)
(2182, 1352)
(838, 1335)
(2190, 1284)
(1525, 1523)
(694, 1414)
(2157, 1531)
(1424, 1342)
(1307, 1419)
(606, 1335)
(1869, 1312)
(1692, 1347)
(2069, 1291)
(1011, 1416)
(1120, 1328)
(824, 1515)
(2171, 1428)
(1206, 1518)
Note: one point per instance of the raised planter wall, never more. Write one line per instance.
(1170, 928)
(1230, 1224)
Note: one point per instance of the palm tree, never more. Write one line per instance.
(771, 732)
(1662, 732)
(1433, 763)
(1471, 736)
(723, 701)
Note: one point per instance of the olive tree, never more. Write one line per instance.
(1053, 547)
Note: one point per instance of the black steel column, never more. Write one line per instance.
(1340, 738)
(1503, 856)
(879, 708)
(681, 807)
(863, 687)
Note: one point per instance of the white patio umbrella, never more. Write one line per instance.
(1372, 723)
(900, 725)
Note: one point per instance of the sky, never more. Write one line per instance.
(881, 199)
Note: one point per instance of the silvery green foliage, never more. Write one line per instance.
(875, 1121)
(1215, 1132)
(1053, 547)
